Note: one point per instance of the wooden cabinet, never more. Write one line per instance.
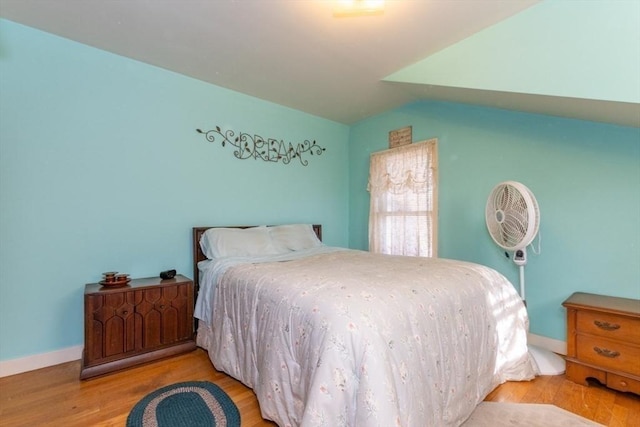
(603, 340)
(146, 320)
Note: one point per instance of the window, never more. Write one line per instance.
(403, 217)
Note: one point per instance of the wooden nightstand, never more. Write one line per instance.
(146, 320)
(603, 340)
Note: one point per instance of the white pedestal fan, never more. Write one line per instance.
(513, 220)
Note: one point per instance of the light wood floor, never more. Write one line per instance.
(55, 396)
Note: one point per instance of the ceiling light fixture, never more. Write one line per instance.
(358, 7)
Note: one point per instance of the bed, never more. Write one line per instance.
(331, 336)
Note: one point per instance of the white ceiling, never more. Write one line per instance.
(295, 52)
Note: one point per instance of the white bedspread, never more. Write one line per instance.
(350, 338)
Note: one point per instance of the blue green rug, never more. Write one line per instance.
(188, 404)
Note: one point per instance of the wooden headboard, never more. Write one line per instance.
(199, 256)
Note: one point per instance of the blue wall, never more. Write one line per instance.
(585, 176)
(101, 169)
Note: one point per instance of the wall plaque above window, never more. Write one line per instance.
(256, 147)
(400, 137)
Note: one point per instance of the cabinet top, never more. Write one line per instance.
(627, 306)
(146, 282)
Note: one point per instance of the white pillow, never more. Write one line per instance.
(223, 242)
(294, 237)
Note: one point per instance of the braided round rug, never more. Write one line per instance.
(187, 404)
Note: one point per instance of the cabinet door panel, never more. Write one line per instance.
(151, 329)
(114, 300)
(126, 311)
(94, 339)
(114, 336)
(170, 292)
(184, 312)
(169, 325)
(152, 295)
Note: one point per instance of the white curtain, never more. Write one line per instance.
(403, 189)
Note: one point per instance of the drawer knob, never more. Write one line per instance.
(606, 325)
(606, 352)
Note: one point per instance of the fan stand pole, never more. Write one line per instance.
(522, 295)
(545, 362)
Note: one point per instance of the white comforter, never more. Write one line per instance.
(350, 338)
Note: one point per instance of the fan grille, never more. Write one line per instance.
(512, 215)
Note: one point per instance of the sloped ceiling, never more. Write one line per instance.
(542, 57)
(537, 62)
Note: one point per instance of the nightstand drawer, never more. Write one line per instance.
(623, 383)
(609, 326)
(608, 354)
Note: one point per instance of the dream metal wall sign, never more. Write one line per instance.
(256, 147)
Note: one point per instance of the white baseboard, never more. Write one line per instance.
(30, 363)
(556, 346)
(37, 361)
